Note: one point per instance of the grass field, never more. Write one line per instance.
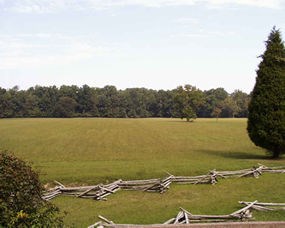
(90, 151)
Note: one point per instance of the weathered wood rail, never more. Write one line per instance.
(97, 192)
(265, 206)
(101, 191)
(185, 217)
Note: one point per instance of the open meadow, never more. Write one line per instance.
(93, 150)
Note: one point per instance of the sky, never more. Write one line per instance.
(156, 44)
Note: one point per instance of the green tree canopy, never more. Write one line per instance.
(85, 101)
(188, 100)
(266, 122)
(65, 107)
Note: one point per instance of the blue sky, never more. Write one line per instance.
(158, 44)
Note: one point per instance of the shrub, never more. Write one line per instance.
(21, 204)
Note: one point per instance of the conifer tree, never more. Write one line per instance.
(266, 120)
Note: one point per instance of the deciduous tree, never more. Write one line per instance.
(188, 100)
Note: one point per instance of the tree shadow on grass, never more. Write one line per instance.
(180, 121)
(238, 155)
(243, 155)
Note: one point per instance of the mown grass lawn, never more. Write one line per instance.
(90, 151)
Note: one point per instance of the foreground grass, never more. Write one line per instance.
(153, 208)
(89, 151)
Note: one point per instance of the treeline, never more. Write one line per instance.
(85, 101)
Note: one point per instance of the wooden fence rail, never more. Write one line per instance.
(185, 217)
(101, 191)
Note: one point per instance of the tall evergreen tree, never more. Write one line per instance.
(266, 120)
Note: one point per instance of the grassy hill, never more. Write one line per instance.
(90, 151)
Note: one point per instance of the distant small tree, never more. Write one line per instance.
(21, 204)
(188, 114)
(266, 120)
(187, 101)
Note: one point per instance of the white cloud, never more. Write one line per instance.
(47, 6)
(36, 50)
(201, 33)
(275, 4)
(187, 21)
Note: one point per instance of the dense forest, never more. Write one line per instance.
(73, 101)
